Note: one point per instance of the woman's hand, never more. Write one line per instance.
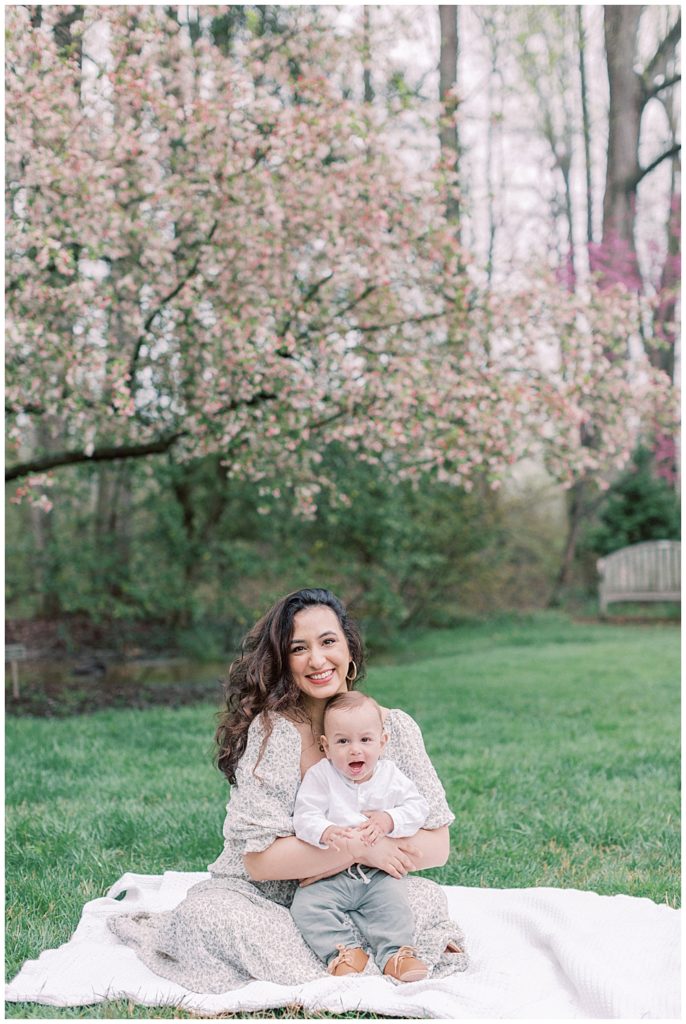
(394, 856)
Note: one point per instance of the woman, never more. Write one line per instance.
(236, 926)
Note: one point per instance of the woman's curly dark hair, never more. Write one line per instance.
(260, 680)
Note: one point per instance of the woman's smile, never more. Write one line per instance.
(321, 677)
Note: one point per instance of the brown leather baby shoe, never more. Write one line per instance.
(348, 961)
(404, 966)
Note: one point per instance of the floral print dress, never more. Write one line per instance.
(230, 930)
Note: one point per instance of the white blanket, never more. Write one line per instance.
(538, 953)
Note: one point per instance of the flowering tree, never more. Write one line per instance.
(598, 391)
(213, 253)
(208, 254)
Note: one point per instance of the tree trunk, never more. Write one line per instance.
(617, 260)
(448, 134)
(183, 492)
(570, 270)
(665, 319)
(493, 135)
(662, 355)
(201, 490)
(367, 55)
(43, 530)
(575, 516)
(112, 517)
(586, 122)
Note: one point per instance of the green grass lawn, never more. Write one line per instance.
(558, 745)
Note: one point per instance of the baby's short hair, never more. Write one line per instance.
(351, 700)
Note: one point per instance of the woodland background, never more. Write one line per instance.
(379, 298)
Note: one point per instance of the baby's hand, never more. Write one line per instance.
(379, 823)
(333, 834)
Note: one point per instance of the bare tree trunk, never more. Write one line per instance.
(665, 319)
(448, 133)
(586, 122)
(112, 524)
(202, 492)
(662, 354)
(489, 184)
(494, 117)
(367, 56)
(570, 270)
(43, 529)
(580, 506)
(575, 516)
(618, 260)
(630, 91)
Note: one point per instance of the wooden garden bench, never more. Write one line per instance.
(650, 571)
(14, 653)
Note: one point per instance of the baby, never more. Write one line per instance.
(351, 790)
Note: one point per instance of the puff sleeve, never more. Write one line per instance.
(260, 809)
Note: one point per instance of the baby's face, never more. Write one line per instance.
(354, 740)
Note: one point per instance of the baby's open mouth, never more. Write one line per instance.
(356, 766)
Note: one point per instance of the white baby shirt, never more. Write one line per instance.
(327, 798)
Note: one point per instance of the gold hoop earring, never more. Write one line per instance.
(351, 679)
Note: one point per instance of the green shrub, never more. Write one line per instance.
(638, 507)
(202, 556)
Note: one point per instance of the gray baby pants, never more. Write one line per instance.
(379, 909)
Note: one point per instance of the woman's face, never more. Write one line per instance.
(319, 657)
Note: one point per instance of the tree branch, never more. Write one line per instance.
(309, 295)
(667, 84)
(344, 309)
(667, 46)
(673, 151)
(110, 453)
(167, 298)
(372, 328)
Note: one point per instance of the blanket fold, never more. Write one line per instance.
(539, 953)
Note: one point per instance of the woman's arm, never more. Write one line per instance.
(432, 846)
(429, 849)
(290, 857)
